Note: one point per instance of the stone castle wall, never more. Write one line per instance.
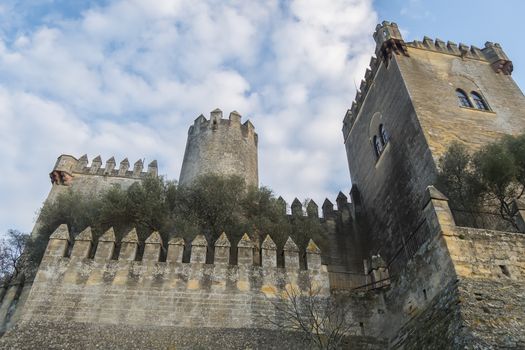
(391, 187)
(410, 89)
(441, 286)
(432, 76)
(490, 266)
(76, 285)
(451, 287)
(70, 173)
(220, 146)
(462, 289)
(170, 293)
(78, 175)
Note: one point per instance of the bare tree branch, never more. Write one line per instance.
(323, 320)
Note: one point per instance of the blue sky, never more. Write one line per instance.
(472, 22)
(126, 78)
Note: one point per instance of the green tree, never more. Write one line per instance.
(492, 177)
(211, 205)
(12, 259)
(457, 179)
(495, 168)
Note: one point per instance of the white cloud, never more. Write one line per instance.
(128, 78)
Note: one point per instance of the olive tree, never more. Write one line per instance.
(490, 179)
(212, 204)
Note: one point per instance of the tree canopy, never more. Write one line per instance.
(211, 205)
(12, 260)
(488, 181)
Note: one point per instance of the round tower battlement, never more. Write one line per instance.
(220, 146)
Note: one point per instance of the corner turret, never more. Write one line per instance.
(62, 173)
(497, 58)
(389, 40)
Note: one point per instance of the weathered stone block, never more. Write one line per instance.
(152, 247)
(269, 253)
(198, 249)
(175, 250)
(245, 251)
(105, 246)
(222, 250)
(313, 256)
(58, 242)
(83, 243)
(291, 254)
(129, 246)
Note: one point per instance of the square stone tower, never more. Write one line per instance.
(415, 100)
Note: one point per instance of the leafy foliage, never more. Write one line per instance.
(458, 181)
(489, 180)
(211, 205)
(12, 259)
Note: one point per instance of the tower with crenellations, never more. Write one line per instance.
(220, 146)
(411, 275)
(417, 98)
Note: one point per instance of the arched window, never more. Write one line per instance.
(378, 147)
(384, 134)
(478, 101)
(463, 98)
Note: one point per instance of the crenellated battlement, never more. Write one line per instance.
(311, 209)
(72, 286)
(67, 166)
(220, 146)
(492, 52)
(61, 245)
(395, 262)
(389, 43)
(216, 122)
(361, 93)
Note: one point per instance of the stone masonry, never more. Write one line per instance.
(170, 293)
(410, 276)
(221, 146)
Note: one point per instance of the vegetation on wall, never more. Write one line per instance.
(488, 181)
(211, 205)
(12, 261)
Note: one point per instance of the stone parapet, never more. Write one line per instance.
(311, 209)
(130, 291)
(67, 166)
(389, 43)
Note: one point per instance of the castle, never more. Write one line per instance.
(412, 276)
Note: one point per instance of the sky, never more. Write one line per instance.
(127, 78)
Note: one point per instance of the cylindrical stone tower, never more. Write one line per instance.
(220, 146)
